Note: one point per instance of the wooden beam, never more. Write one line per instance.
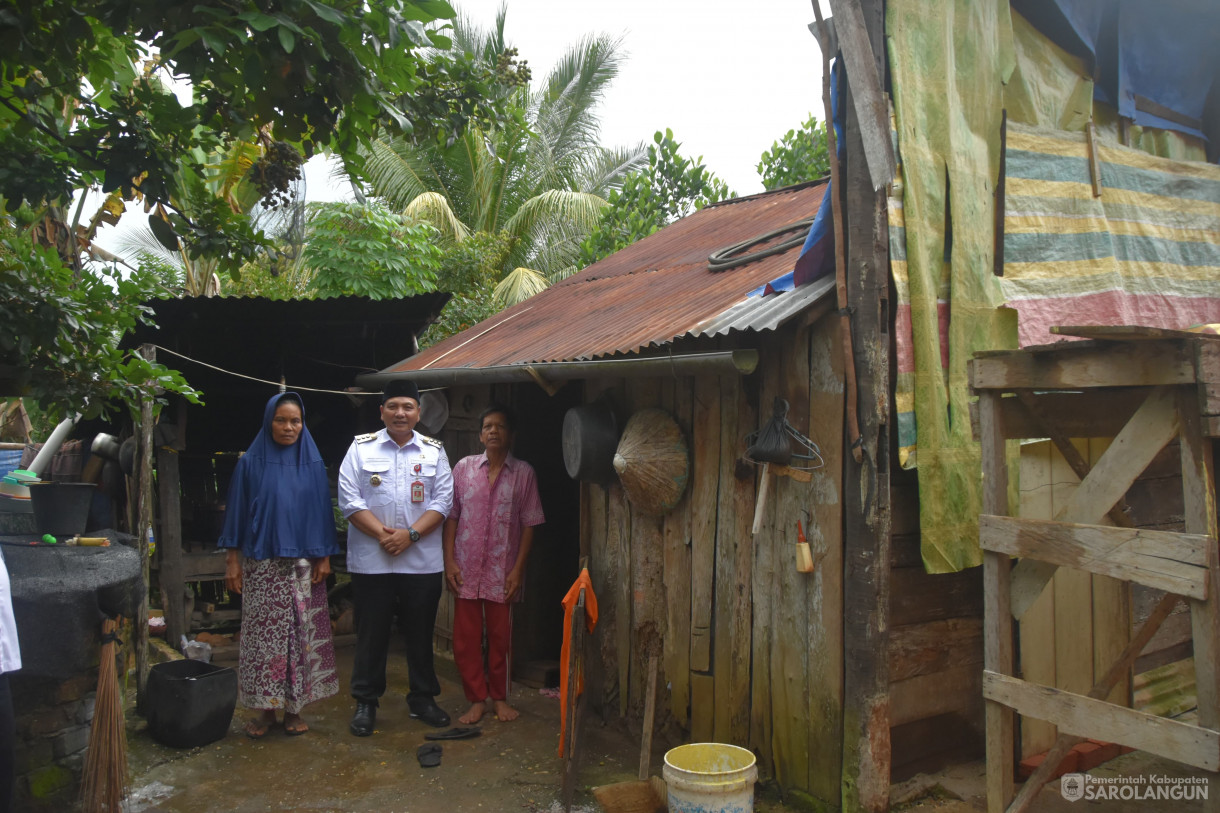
(1175, 563)
(1100, 412)
(169, 542)
(1148, 431)
(1142, 364)
(1117, 672)
(1078, 714)
(867, 94)
(1199, 509)
(705, 476)
(142, 529)
(997, 617)
(1207, 372)
(866, 480)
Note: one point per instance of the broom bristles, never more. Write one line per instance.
(104, 784)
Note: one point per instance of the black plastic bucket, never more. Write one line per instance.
(61, 509)
(190, 703)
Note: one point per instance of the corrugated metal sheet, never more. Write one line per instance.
(648, 294)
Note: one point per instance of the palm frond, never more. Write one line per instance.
(398, 171)
(581, 209)
(433, 208)
(605, 169)
(519, 285)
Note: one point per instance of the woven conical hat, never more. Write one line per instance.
(652, 461)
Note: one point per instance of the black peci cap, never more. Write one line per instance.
(400, 388)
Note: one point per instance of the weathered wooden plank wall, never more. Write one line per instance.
(752, 649)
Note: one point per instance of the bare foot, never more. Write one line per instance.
(505, 712)
(477, 710)
(294, 725)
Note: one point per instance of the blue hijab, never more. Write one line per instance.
(279, 499)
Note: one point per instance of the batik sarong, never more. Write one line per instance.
(287, 659)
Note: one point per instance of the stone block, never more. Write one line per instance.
(70, 740)
(84, 712)
(76, 688)
(42, 723)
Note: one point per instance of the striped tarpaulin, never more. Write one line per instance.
(1147, 252)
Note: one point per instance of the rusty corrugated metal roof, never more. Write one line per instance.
(646, 295)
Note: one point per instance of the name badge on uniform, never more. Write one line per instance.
(417, 491)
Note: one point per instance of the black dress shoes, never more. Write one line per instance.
(430, 713)
(363, 720)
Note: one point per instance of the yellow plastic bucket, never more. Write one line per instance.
(710, 777)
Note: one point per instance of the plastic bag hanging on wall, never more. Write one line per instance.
(773, 443)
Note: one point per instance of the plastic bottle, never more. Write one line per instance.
(152, 542)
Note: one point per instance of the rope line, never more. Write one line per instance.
(260, 380)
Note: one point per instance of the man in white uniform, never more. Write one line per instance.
(395, 488)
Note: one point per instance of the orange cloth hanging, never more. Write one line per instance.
(569, 604)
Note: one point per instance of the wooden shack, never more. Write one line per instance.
(238, 352)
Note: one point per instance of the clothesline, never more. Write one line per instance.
(283, 386)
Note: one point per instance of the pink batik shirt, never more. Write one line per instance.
(490, 519)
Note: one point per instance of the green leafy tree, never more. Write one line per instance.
(801, 155)
(365, 250)
(59, 335)
(670, 188)
(541, 177)
(82, 108)
(470, 270)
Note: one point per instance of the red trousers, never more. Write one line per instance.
(469, 617)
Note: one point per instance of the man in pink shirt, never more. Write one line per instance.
(487, 539)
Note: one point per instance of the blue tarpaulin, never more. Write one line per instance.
(1155, 62)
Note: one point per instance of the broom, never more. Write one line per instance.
(104, 786)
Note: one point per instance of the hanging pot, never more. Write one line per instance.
(590, 434)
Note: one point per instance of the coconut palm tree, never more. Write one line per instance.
(541, 179)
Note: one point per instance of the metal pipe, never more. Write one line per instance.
(741, 362)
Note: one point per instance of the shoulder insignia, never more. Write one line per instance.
(433, 441)
(365, 438)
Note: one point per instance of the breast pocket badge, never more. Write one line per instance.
(375, 480)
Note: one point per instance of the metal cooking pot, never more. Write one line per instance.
(590, 436)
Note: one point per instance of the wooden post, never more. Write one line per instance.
(172, 574)
(141, 527)
(866, 573)
(997, 613)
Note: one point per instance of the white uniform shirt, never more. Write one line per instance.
(418, 469)
(10, 651)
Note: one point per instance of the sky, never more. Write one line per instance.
(728, 78)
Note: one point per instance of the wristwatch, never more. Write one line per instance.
(414, 534)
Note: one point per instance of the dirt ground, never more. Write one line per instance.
(510, 767)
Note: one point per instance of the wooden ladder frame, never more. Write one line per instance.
(1064, 391)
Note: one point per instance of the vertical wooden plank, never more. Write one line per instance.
(1111, 612)
(647, 564)
(1073, 594)
(618, 524)
(997, 615)
(169, 540)
(792, 619)
(602, 568)
(1037, 627)
(866, 571)
(678, 576)
(742, 574)
(1199, 504)
(144, 526)
(726, 560)
(772, 644)
(705, 484)
(824, 532)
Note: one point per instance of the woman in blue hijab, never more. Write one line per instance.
(280, 532)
